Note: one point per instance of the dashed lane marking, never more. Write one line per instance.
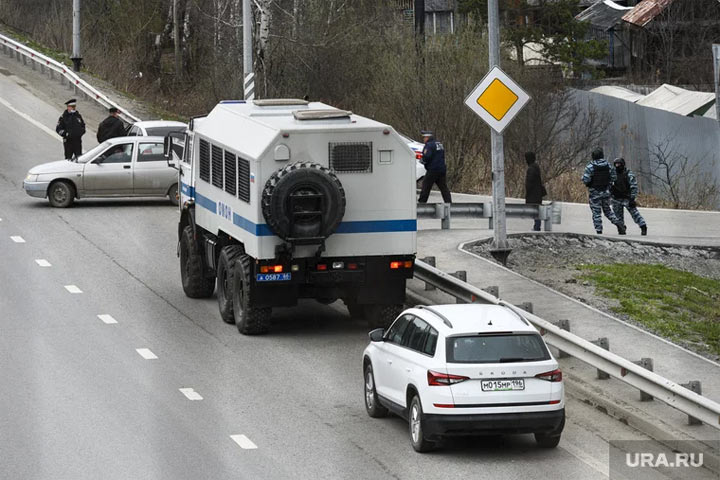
(72, 289)
(146, 353)
(107, 318)
(17, 239)
(191, 394)
(42, 262)
(244, 442)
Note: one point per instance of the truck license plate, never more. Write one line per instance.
(503, 385)
(273, 277)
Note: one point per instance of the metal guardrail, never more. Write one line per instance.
(550, 213)
(646, 381)
(12, 47)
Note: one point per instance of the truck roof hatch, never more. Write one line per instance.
(326, 114)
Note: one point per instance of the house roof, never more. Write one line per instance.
(603, 14)
(618, 92)
(646, 11)
(678, 100)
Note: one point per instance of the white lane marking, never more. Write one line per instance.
(17, 239)
(191, 394)
(244, 442)
(72, 289)
(107, 318)
(146, 353)
(42, 262)
(27, 117)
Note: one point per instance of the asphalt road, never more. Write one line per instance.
(80, 401)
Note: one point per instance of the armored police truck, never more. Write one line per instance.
(287, 199)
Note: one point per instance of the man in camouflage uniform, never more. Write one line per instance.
(624, 192)
(598, 177)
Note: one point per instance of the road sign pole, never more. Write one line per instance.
(716, 63)
(76, 55)
(249, 83)
(500, 249)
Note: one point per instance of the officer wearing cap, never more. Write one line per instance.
(434, 161)
(111, 127)
(71, 127)
(597, 177)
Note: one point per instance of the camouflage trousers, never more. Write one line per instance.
(600, 201)
(620, 204)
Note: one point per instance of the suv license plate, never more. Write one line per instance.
(503, 385)
(273, 277)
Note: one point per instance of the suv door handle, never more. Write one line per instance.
(126, 166)
(390, 362)
(408, 370)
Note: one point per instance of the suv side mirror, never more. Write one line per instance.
(377, 335)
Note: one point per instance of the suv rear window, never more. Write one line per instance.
(503, 348)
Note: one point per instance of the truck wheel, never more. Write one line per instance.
(225, 281)
(192, 267)
(61, 194)
(382, 316)
(249, 320)
(303, 200)
(356, 311)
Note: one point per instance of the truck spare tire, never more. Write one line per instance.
(303, 200)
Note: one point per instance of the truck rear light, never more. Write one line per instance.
(395, 265)
(321, 266)
(352, 266)
(443, 379)
(408, 264)
(554, 376)
(338, 265)
(271, 269)
(398, 264)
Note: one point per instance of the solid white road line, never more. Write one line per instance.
(27, 117)
(17, 239)
(42, 262)
(72, 289)
(244, 442)
(107, 318)
(191, 394)
(146, 353)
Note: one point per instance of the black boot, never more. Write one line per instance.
(621, 228)
(643, 229)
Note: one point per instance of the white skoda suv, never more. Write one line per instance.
(464, 370)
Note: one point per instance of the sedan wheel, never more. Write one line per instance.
(61, 194)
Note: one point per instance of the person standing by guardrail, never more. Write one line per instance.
(598, 176)
(624, 192)
(71, 127)
(434, 161)
(534, 188)
(111, 127)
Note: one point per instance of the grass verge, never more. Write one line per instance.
(677, 305)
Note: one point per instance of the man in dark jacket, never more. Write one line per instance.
(111, 127)
(624, 192)
(71, 127)
(434, 161)
(534, 188)
(598, 176)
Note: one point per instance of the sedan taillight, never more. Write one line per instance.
(554, 376)
(443, 379)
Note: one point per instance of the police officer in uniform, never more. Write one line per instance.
(71, 127)
(111, 127)
(624, 192)
(598, 177)
(434, 161)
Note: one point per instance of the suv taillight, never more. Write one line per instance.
(443, 379)
(554, 376)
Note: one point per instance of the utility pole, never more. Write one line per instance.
(500, 249)
(76, 55)
(176, 40)
(249, 76)
(716, 64)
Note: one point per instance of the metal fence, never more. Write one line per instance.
(36, 59)
(550, 213)
(673, 394)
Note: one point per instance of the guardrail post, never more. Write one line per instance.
(693, 386)
(493, 290)
(546, 215)
(603, 343)
(647, 364)
(563, 325)
(444, 215)
(52, 74)
(430, 261)
(462, 275)
(527, 306)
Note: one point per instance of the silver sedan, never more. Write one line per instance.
(119, 167)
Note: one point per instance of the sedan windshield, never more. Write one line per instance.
(92, 153)
(503, 348)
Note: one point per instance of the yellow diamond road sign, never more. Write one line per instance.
(497, 99)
